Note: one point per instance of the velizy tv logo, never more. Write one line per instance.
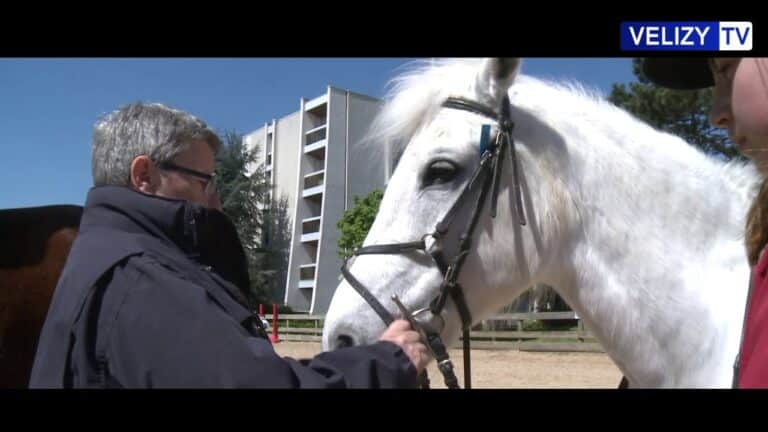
(686, 36)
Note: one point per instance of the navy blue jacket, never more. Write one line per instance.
(151, 296)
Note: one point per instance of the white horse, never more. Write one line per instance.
(641, 233)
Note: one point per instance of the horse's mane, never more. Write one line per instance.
(414, 97)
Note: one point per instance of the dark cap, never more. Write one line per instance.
(679, 73)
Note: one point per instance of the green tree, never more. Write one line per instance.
(683, 113)
(356, 222)
(276, 242)
(243, 195)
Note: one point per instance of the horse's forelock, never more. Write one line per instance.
(414, 97)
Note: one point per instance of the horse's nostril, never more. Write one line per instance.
(344, 341)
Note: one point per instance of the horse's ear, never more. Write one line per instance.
(495, 78)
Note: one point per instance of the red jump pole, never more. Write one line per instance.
(274, 338)
(261, 310)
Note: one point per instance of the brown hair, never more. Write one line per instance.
(756, 235)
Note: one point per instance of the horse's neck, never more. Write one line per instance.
(654, 262)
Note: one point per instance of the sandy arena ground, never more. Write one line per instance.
(510, 368)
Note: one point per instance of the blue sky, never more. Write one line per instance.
(48, 105)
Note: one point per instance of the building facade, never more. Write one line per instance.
(318, 159)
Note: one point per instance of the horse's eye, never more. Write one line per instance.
(440, 172)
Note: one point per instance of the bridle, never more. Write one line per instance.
(485, 178)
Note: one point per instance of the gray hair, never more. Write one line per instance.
(151, 129)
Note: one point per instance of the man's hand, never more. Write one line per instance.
(401, 334)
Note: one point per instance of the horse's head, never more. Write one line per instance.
(442, 153)
(627, 222)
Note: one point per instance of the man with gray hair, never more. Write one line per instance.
(152, 291)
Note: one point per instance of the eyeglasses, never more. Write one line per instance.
(209, 179)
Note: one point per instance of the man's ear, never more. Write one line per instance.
(141, 174)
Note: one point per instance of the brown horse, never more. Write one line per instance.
(34, 245)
